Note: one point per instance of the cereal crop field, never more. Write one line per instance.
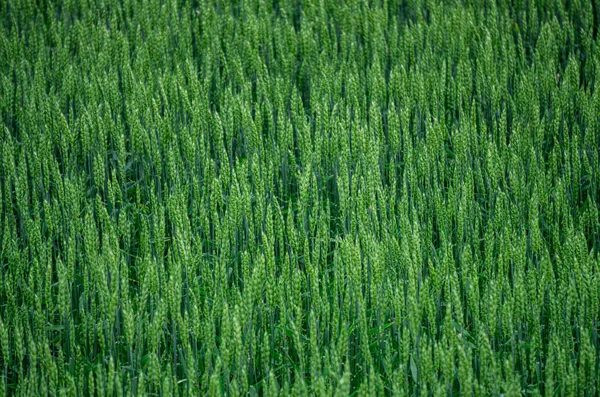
(299, 198)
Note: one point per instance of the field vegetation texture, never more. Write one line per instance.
(275, 197)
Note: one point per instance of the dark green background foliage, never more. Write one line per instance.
(311, 198)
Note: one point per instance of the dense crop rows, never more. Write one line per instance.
(368, 197)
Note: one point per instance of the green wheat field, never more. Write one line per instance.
(299, 198)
